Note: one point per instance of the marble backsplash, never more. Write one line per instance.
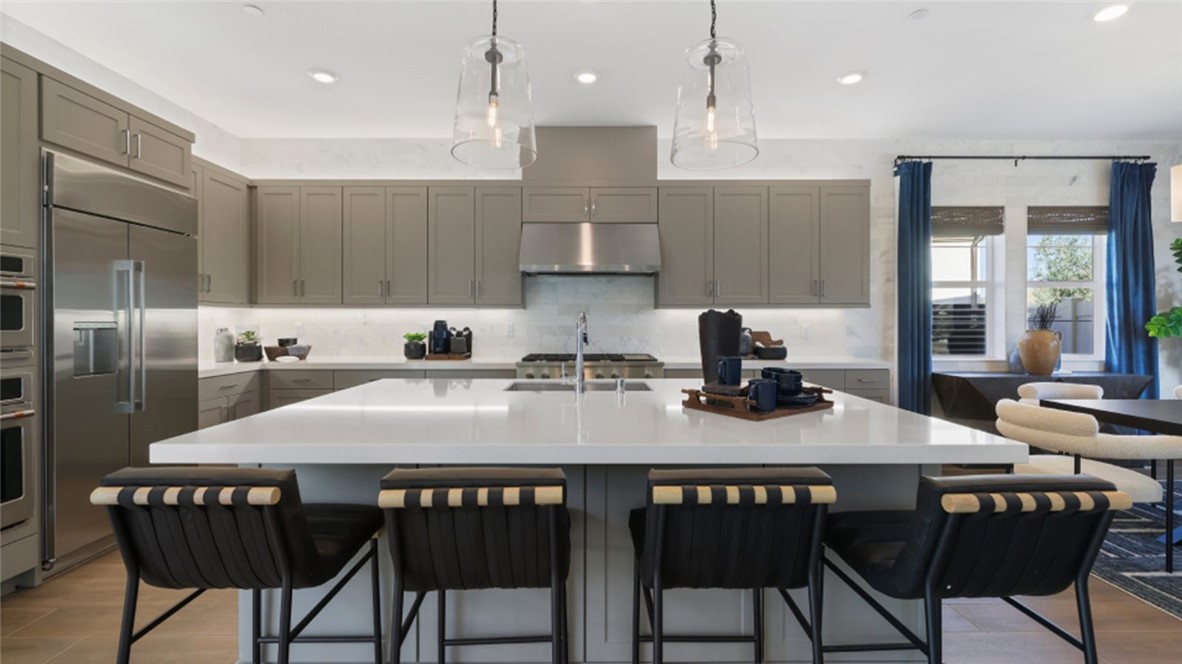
(619, 308)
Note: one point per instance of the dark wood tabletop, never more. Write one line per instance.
(1156, 415)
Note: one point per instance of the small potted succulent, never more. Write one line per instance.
(415, 347)
(248, 348)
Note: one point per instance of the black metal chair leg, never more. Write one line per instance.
(935, 627)
(658, 620)
(555, 626)
(256, 625)
(442, 619)
(816, 598)
(757, 620)
(1087, 631)
(636, 612)
(1169, 516)
(130, 595)
(395, 637)
(376, 593)
(285, 621)
(565, 627)
(1153, 468)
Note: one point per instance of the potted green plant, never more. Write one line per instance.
(1168, 324)
(1039, 348)
(248, 348)
(415, 347)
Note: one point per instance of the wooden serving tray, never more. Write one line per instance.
(449, 356)
(737, 406)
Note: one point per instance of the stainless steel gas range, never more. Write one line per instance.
(596, 365)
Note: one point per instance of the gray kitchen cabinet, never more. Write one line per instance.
(20, 200)
(385, 245)
(299, 379)
(740, 245)
(498, 243)
(468, 374)
(245, 405)
(280, 398)
(277, 227)
(451, 233)
(223, 202)
(157, 152)
(794, 244)
(343, 380)
(686, 227)
(211, 412)
(81, 123)
(227, 398)
(598, 204)
(196, 177)
(320, 245)
(845, 244)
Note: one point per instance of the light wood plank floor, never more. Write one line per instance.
(74, 619)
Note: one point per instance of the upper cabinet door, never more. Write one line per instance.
(20, 190)
(845, 244)
(159, 153)
(84, 124)
(794, 244)
(277, 220)
(406, 245)
(196, 179)
(628, 204)
(365, 245)
(320, 245)
(451, 226)
(570, 204)
(224, 203)
(498, 246)
(740, 245)
(686, 227)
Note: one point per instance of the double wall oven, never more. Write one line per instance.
(19, 444)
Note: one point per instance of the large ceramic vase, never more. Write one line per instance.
(1039, 350)
(718, 336)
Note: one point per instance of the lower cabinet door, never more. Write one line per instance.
(211, 412)
(245, 405)
(280, 398)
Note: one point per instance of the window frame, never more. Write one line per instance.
(1097, 284)
(994, 316)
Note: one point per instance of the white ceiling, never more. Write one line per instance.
(968, 70)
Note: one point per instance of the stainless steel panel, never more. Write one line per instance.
(87, 431)
(553, 248)
(165, 338)
(77, 184)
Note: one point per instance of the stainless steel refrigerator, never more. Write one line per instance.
(120, 344)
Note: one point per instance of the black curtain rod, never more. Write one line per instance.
(1018, 158)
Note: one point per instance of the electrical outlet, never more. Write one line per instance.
(510, 330)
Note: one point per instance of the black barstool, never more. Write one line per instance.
(737, 528)
(244, 528)
(979, 536)
(475, 528)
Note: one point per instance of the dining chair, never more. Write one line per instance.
(1178, 392)
(1077, 439)
(1031, 393)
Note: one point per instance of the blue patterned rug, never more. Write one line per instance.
(1133, 560)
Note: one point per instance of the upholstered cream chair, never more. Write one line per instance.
(1030, 393)
(1178, 392)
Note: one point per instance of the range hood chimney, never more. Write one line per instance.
(589, 157)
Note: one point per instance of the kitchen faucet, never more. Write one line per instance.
(580, 341)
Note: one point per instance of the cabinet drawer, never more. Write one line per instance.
(695, 374)
(226, 386)
(343, 380)
(868, 379)
(211, 412)
(472, 373)
(297, 379)
(562, 204)
(834, 379)
(280, 398)
(881, 396)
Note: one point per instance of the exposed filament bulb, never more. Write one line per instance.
(493, 103)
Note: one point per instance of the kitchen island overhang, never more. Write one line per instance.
(343, 443)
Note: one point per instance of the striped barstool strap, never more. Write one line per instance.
(1035, 501)
(744, 494)
(172, 496)
(455, 497)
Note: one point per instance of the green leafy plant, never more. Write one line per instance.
(1168, 324)
(415, 337)
(249, 337)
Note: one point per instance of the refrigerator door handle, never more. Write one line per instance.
(128, 328)
(141, 403)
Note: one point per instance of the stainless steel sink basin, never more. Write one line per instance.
(592, 386)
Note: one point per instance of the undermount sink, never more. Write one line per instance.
(592, 386)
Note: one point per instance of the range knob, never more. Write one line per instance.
(648, 374)
(529, 374)
(615, 374)
(599, 374)
(545, 374)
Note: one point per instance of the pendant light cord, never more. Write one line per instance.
(494, 30)
(713, 18)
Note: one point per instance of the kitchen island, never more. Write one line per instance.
(342, 443)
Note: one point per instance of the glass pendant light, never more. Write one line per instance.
(494, 126)
(715, 124)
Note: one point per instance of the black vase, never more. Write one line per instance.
(718, 336)
(414, 350)
(248, 352)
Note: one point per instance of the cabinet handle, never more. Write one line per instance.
(813, 288)
(303, 288)
(584, 205)
(295, 287)
(139, 146)
(718, 287)
(381, 288)
(228, 387)
(710, 288)
(593, 210)
(126, 141)
(209, 283)
(387, 288)
(822, 288)
(478, 289)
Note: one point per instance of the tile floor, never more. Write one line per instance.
(74, 619)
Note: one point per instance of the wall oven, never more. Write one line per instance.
(18, 304)
(18, 444)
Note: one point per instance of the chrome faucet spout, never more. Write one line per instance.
(580, 341)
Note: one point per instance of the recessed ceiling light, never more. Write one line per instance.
(586, 77)
(323, 76)
(253, 10)
(918, 14)
(851, 78)
(1110, 13)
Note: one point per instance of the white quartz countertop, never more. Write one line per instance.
(791, 363)
(440, 421)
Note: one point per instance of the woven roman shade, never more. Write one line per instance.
(968, 221)
(1067, 220)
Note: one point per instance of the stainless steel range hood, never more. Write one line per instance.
(587, 248)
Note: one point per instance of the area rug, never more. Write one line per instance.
(1133, 560)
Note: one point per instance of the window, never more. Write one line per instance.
(962, 243)
(1064, 266)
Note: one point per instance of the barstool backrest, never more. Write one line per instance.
(472, 528)
(734, 528)
(1005, 535)
(209, 527)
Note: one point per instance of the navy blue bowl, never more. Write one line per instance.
(789, 382)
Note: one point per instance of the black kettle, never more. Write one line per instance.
(440, 338)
